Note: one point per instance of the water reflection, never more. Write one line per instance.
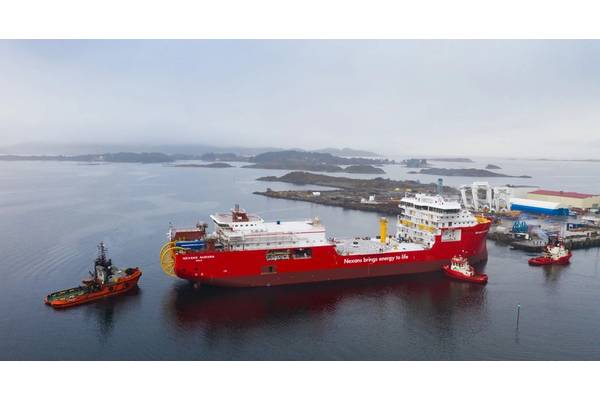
(401, 318)
(106, 311)
(552, 273)
(418, 300)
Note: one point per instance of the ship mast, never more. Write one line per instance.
(103, 262)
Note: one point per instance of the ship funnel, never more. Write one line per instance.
(383, 229)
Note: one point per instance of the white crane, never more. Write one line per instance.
(497, 198)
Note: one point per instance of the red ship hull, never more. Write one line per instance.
(247, 268)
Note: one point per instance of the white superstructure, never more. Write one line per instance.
(239, 230)
(421, 218)
(424, 217)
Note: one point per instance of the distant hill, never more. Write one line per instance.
(297, 165)
(91, 148)
(314, 161)
(452, 159)
(363, 169)
(167, 148)
(474, 172)
(285, 159)
(211, 165)
(423, 162)
(348, 152)
(123, 157)
(223, 157)
(313, 158)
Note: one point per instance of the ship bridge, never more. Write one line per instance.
(424, 217)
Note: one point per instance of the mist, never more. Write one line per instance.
(449, 97)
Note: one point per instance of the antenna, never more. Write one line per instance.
(101, 259)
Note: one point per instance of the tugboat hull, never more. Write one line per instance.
(539, 261)
(477, 278)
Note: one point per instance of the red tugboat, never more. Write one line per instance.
(106, 281)
(460, 269)
(553, 254)
(244, 250)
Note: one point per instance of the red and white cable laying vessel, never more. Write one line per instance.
(244, 250)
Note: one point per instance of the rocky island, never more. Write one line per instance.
(292, 165)
(317, 162)
(472, 172)
(453, 159)
(223, 157)
(348, 152)
(351, 193)
(363, 169)
(423, 162)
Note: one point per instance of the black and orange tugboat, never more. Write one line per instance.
(105, 281)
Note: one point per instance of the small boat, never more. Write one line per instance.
(105, 281)
(459, 268)
(555, 254)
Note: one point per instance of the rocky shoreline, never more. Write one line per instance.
(536, 246)
(470, 172)
(334, 198)
(376, 195)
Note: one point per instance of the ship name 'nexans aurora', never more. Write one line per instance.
(244, 250)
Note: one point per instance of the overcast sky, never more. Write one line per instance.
(504, 98)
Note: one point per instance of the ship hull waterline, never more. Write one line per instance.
(291, 278)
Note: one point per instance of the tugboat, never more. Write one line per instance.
(459, 268)
(105, 281)
(553, 254)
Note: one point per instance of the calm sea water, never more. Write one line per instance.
(52, 216)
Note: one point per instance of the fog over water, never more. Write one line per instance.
(487, 98)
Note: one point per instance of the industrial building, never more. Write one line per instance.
(538, 207)
(566, 199)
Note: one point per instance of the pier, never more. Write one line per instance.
(588, 240)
